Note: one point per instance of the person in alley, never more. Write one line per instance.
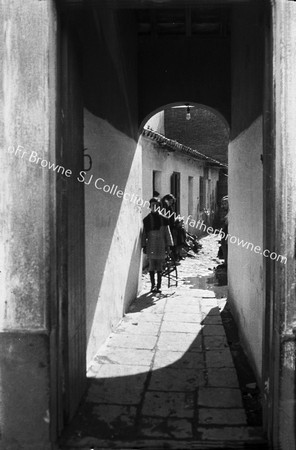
(156, 241)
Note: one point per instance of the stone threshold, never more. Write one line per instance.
(89, 443)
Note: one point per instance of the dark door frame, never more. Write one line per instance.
(279, 160)
(268, 161)
(69, 354)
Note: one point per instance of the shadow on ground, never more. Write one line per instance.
(173, 375)
(169, 399)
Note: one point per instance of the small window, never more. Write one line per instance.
(156, 183)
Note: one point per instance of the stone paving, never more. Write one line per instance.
(166, 377)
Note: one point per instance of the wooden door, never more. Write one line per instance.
(175, 190)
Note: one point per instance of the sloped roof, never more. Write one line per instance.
(173, 145)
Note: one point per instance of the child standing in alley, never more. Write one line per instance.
(156, 240)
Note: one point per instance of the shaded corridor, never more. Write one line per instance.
(165, 378)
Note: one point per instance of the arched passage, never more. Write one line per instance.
(184, 104)
(198, 161)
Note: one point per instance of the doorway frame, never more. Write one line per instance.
(279, 159)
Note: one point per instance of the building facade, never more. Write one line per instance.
(170, 167)
(79, 75)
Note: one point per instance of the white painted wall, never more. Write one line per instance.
(156, 122)
(245, 267)
(112, 228)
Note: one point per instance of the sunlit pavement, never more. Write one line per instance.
(165, 378)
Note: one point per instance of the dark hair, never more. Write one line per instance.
(154, 200)
(168, 197)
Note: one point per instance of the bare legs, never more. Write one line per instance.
(152, 280)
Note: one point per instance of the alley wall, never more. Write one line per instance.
(245, 267)
(112, 227)
(112, 222)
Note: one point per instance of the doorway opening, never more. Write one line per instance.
(115, 197)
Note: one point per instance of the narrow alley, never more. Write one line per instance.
(106, 105)
(165, 378)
